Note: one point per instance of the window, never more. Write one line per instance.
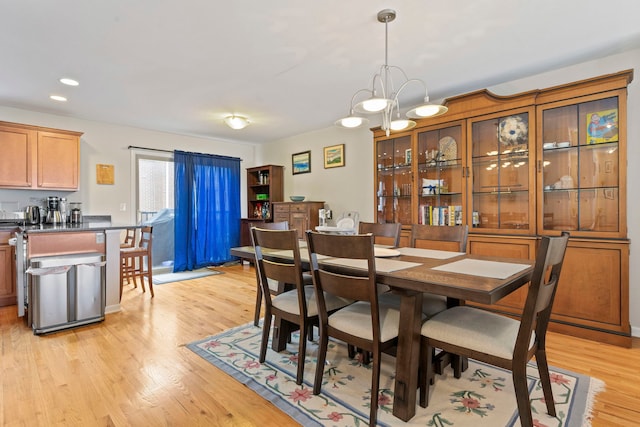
(155, 185)
(154, 205)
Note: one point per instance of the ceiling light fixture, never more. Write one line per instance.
(58, 98)
(382, 97)
(236, 122)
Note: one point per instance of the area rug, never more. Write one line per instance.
(161, 279)
(484, 395)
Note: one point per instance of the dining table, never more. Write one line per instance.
(410, 272)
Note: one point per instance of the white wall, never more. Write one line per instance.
(104, 143)
(352, 187)
(348, 188)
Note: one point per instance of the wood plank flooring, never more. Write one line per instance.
(133, 369)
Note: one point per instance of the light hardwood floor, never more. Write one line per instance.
(133, 369)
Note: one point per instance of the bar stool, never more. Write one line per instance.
(133, 260)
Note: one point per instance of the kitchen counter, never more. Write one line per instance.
(85, 226)
(91, 223)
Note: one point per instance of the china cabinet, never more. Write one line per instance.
(39, 158)
(514, 168)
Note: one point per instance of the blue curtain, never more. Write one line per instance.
(207, 209)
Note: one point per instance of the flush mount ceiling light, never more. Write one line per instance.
(69, 82)
(236, 122)
(58, 98)
(382, 97)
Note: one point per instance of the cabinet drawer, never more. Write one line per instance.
(280, 209)
(298, 207)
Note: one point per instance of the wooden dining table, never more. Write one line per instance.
(410, 272)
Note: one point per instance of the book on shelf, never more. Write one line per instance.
(440, 215)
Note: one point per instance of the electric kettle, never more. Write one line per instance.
(32, 215)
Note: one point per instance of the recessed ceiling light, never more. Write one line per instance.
(69, 82)
(58, 98)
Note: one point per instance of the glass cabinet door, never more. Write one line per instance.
(393, 180)
(580, 168)
(502, 174)
(440, 180)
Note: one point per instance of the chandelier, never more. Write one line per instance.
(383, 96)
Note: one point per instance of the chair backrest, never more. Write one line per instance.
(445, 238)
(357, 285)
(285, 271)
(146, 238)
(384, 234)
(541, 294)
(129, 238)
(276, 225)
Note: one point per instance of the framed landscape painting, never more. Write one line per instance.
(301, 162)
(334, 156)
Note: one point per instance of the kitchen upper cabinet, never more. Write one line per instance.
(39, 158)
(17, 146)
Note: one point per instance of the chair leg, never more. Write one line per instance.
(140, 272)
(543, 370)
(351, 351)
(266, 327)
(256, 315)
(150, 276)
(322, 356)
(302, 350)
(519, 375)
(375, 388)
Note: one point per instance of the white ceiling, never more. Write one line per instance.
(290, 65)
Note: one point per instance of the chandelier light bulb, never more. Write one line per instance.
(350, 122)
(374, 105)
(402, 124)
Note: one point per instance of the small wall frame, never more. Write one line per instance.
(334, 156)
(301, 162)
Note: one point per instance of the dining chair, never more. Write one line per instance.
(383, 233)
(447, 238)
(274, 287)
(499, 340)
(444, 238)
(135, 261)
(297, 306)
(366, 324)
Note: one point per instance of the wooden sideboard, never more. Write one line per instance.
(302, 216)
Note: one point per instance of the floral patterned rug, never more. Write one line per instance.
(482, 397)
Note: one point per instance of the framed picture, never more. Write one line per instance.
(334, 156)
(407, 156)
(301, 162)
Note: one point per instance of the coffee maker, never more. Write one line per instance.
(53, 210)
